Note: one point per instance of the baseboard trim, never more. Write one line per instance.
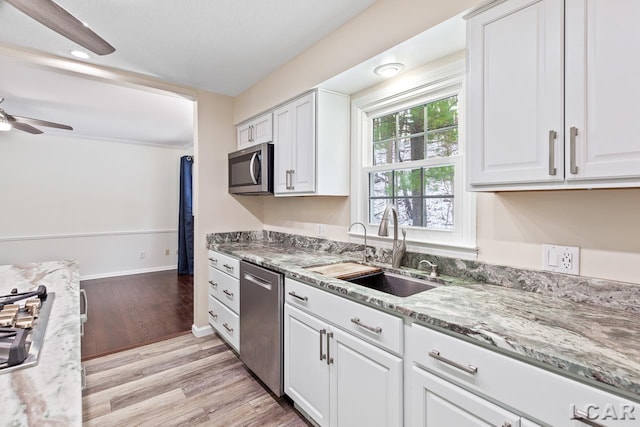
(201, 331)
(128, 272)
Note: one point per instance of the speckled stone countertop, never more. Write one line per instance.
(583, 340)
(50, 393)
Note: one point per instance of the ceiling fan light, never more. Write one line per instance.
(79, 54)
(5, 125)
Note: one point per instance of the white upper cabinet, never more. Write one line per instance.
(550, 95)
(255, 131)
(311, 137)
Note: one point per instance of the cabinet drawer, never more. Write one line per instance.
(539, 393)
(225, 288)
(365, 322)
(224, 263)
(225, 322)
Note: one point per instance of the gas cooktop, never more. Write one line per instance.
(23, 322)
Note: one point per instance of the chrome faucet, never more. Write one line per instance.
(364, 252)
(383, 230)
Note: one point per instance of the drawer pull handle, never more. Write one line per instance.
(229, 267)
(227, 328)
(322, 355)
(470, 369)
(212, 283)
(293, 294)
(374, 329)
(213, 261)
(584, 418)
(227, 293)
(212, 314)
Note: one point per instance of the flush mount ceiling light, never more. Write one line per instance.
(79, 54)
(389, 70)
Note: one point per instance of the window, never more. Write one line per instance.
(408, 148)
(423, 195)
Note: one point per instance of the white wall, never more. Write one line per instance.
(100, 202)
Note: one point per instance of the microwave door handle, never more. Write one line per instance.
(251, 167)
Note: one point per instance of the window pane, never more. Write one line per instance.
(408, 183)
(383, 152)
(438, 181)
(442, 143)
(411, 121)
(381, 184)
(376, 209)
(411, 148)
(442, 113)
(439, 213)
(384, 127)
(409, 211)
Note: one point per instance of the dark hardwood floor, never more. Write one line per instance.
(129, 311)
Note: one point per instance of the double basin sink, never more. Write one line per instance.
(383, 281)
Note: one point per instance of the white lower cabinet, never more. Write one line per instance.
(224, 297)
(338, 379)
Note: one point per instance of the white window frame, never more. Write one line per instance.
(430, 85)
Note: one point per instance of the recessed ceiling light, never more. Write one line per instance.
(389, 70)
(79, 54)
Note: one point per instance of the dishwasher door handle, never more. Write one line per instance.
(258, 281)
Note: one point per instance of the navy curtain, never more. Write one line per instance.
(185, 218)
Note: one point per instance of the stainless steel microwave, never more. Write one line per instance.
(251, 170)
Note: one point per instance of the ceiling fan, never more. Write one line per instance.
(25, 124)
(50, 14)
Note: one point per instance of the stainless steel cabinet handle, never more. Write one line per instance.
(214, 284)
(322, 355)
(329, 358)
(293, 294)
(287, 180)
(228, 267)
(213, 261)
(573, 132)
(84, 316)
(227, 327)
(229, 294)
(470, 369)
(552, 152)
(506, 424)
(215, 316)
(292, 173)
(584, 418)
(374, 329)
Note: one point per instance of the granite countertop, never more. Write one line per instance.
(49, 393)
(587, 341)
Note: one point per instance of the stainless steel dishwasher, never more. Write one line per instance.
(261, 324)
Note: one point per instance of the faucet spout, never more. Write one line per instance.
(364, 251)
(383, 230)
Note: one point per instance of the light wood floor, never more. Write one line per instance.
(184, 381)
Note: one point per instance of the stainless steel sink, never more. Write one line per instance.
(394, 284)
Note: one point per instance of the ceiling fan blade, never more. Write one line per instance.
(26, 128)
(50, 14)
(37, 122)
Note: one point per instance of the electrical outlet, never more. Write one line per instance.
(561, 259)
(322, 230)
(142, 254)
(166, 251)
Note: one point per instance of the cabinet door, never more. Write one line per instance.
(515, 108)
(366, 383)
(243, 135)
(436, 402)
(304, 157)
(263, 129)
(283, 148)
(602, 66)
(306, 372)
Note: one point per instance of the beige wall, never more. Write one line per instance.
(215, 209)
(605, 224)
